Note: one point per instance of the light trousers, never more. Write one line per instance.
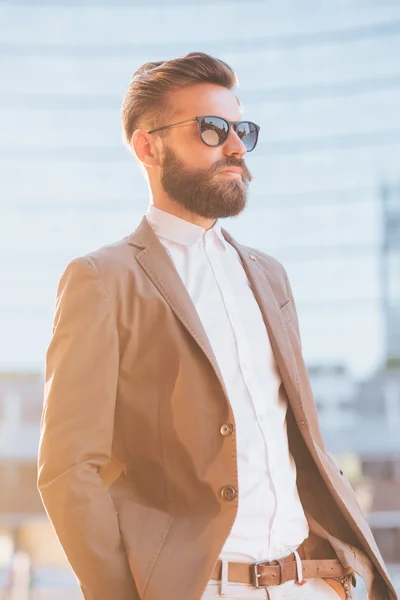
(314, 589)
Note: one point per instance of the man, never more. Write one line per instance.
(181, 456)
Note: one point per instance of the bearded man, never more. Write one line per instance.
(180, 454)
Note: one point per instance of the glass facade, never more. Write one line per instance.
(321, 78)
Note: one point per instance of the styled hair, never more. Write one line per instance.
(145, 101)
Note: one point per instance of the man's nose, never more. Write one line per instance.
(234, 145)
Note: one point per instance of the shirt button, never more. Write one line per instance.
(252, 257)
(226, 429)
(228, 493)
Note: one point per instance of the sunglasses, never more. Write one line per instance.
(214, 131)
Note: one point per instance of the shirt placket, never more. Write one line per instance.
(254, 391)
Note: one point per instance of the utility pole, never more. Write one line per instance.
(390, 272)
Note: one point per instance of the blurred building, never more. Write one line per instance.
(360, 421)
(390, 271)
(334, 388)
(30, 554)
(330, 131)
(21, 398)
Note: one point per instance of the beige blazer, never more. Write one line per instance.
(134, 473)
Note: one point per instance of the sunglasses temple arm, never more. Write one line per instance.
(172, 125)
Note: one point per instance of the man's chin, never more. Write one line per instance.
(223, 200)
(227, 212)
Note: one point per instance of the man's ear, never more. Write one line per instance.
(144, 147)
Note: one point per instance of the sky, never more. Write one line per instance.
(321, 78)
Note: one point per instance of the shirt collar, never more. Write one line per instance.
(180, 231)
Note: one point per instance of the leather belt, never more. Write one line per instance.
(280, 571)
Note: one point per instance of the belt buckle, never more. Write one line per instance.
(266, 563)
(257, 575)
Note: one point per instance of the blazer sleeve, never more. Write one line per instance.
(81, 381)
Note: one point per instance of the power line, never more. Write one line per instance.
(353, 195)
(302, 253)
(322, 90)
(107, 154)
(275, 42)
(353, 140)
(370, 85)
(117, 4)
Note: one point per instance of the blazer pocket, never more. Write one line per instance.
(288, 312)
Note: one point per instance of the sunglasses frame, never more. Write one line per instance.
(200, 121)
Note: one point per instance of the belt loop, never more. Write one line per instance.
(224, 578)
(300, 580)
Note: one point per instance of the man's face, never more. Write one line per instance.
(191, 172)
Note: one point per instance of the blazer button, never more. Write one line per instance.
(228, 493)
(226, 429)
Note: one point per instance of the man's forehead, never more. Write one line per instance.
(204, 99)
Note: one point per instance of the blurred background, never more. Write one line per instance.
(322, 78)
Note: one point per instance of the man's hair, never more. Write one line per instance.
(145, 102)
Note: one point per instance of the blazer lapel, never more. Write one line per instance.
(261, 283)
(159, 267)
(156, 262)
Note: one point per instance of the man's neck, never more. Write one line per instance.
(176, 209)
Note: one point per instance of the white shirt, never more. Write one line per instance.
(270, 521)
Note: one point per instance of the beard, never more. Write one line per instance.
(200, 191)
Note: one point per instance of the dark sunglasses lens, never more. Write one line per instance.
(248, 134)
(213, 131)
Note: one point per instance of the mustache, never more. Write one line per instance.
(232, 161)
